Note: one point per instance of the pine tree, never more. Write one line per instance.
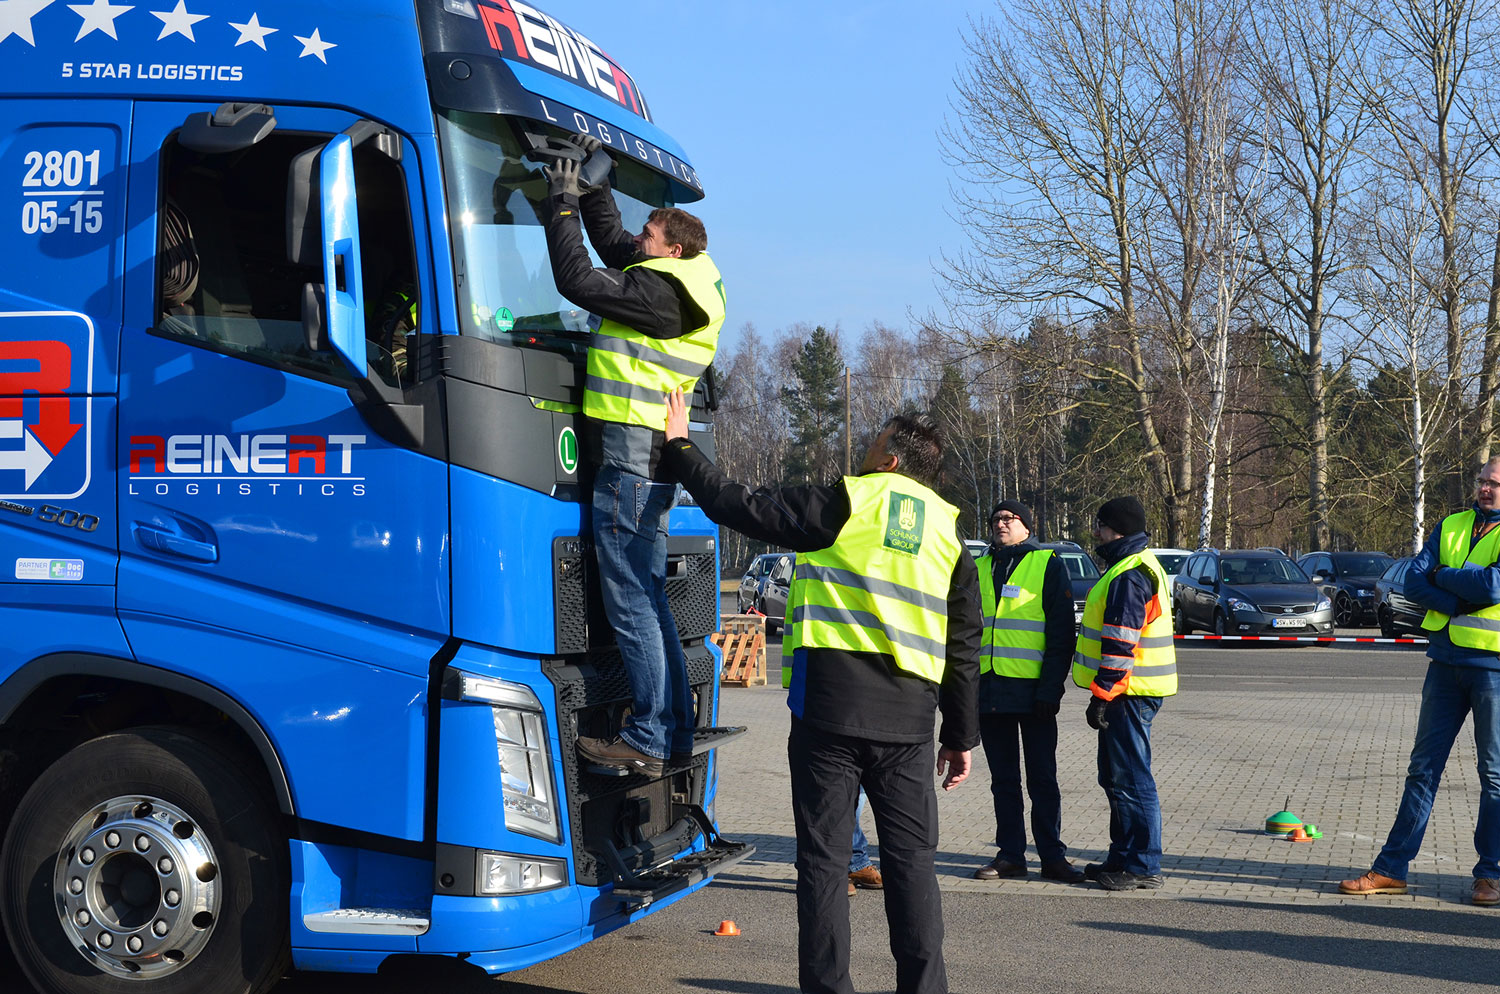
(815, 405)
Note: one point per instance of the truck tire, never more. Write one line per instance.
(151, 861)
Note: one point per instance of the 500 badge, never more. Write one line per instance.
(66, 518)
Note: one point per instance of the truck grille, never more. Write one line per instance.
(692, 592)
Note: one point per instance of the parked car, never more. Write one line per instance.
(1171, 561)
(1393, 612)
(765, 585)
(1082, 573)
(1248, 592)
(977, 547)
(1347, 579)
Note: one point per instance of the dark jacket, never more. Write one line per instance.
(641, 299)
(1454, 591)
(1124, 609)
(859, 694)
(1014, 695)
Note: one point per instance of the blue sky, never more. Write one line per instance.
(814, 126)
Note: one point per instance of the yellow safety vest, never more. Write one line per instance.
(1154, 672)
(882, 586)
(630, 374)
(1480, 630)
(1015, 628)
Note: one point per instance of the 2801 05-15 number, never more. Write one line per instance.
(66, 518)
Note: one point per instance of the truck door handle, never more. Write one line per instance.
(160, 540)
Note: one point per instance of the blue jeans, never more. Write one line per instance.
(1448, 695)
(859, 858)
(630, 539)
(1125, 775)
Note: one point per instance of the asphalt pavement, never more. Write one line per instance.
(1241, 911)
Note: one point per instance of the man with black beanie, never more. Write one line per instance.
(1126, 661)
(1028, 644)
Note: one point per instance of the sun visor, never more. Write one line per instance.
(507, 57)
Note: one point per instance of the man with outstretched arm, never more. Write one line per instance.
(883, 627)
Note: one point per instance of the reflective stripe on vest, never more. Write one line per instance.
(875, 589)
(1153, 673)
(630, 374)
(1481, 629)
(1015, 627)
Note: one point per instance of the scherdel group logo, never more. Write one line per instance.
(46, 369)
(277, 465)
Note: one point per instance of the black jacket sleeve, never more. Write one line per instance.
(1059, 631)
(641, 299)
(601, 219)
(800, 518)
(958, 696)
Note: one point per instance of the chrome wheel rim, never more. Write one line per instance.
(137, 887)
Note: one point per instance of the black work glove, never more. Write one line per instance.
(562, 176)
(1095, 714)
(588, 143)
(1045, 709)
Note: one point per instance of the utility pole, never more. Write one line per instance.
(848, 442)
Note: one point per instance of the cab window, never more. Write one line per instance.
(225, 281)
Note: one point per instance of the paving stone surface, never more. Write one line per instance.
(1223, 763)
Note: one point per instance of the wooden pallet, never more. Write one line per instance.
(743, 640)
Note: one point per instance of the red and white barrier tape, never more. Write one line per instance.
(1302, 638)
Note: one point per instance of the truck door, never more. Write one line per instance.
(61, 237)
(274, 544)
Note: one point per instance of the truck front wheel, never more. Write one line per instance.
(146, 860)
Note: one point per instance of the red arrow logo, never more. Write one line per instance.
(54, 427)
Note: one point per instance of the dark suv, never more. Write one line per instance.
(1082, 573)
(1247, 592)
(1393, 612)
(1347, 579)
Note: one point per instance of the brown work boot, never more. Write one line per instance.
(616, 755)
(868, 878)
(1486, 892)
(1372, 883)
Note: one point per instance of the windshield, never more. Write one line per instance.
(1241, 572)
(1361, 565)
(496, 205)
(1080, 566)
(1171, 562)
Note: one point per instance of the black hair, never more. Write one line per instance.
(918, 443)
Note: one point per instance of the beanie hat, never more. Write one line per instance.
(1124, 514)
(1014, 507)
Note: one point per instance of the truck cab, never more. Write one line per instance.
(302, 611)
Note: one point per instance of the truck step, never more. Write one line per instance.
(641, 888)
(704, 740)
(368, 921)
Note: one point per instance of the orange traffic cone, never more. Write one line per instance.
(727, 928)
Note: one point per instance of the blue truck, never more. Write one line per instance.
(300, 611)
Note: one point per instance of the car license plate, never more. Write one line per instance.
(1286, 622)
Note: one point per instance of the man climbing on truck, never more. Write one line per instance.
(662, 304)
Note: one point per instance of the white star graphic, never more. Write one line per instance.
(252, 32)
(314, 45)
(178, 21)
(16, 15)
(98, 16)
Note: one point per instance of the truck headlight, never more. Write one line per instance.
(497, 873)
(528, 791)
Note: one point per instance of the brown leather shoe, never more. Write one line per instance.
(1486, 892)
(868, 878)
(617, 756)
(1372, 883)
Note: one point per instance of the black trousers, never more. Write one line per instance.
(1005, 737)
(827, 771)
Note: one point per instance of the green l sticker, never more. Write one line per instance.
(567, 451)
